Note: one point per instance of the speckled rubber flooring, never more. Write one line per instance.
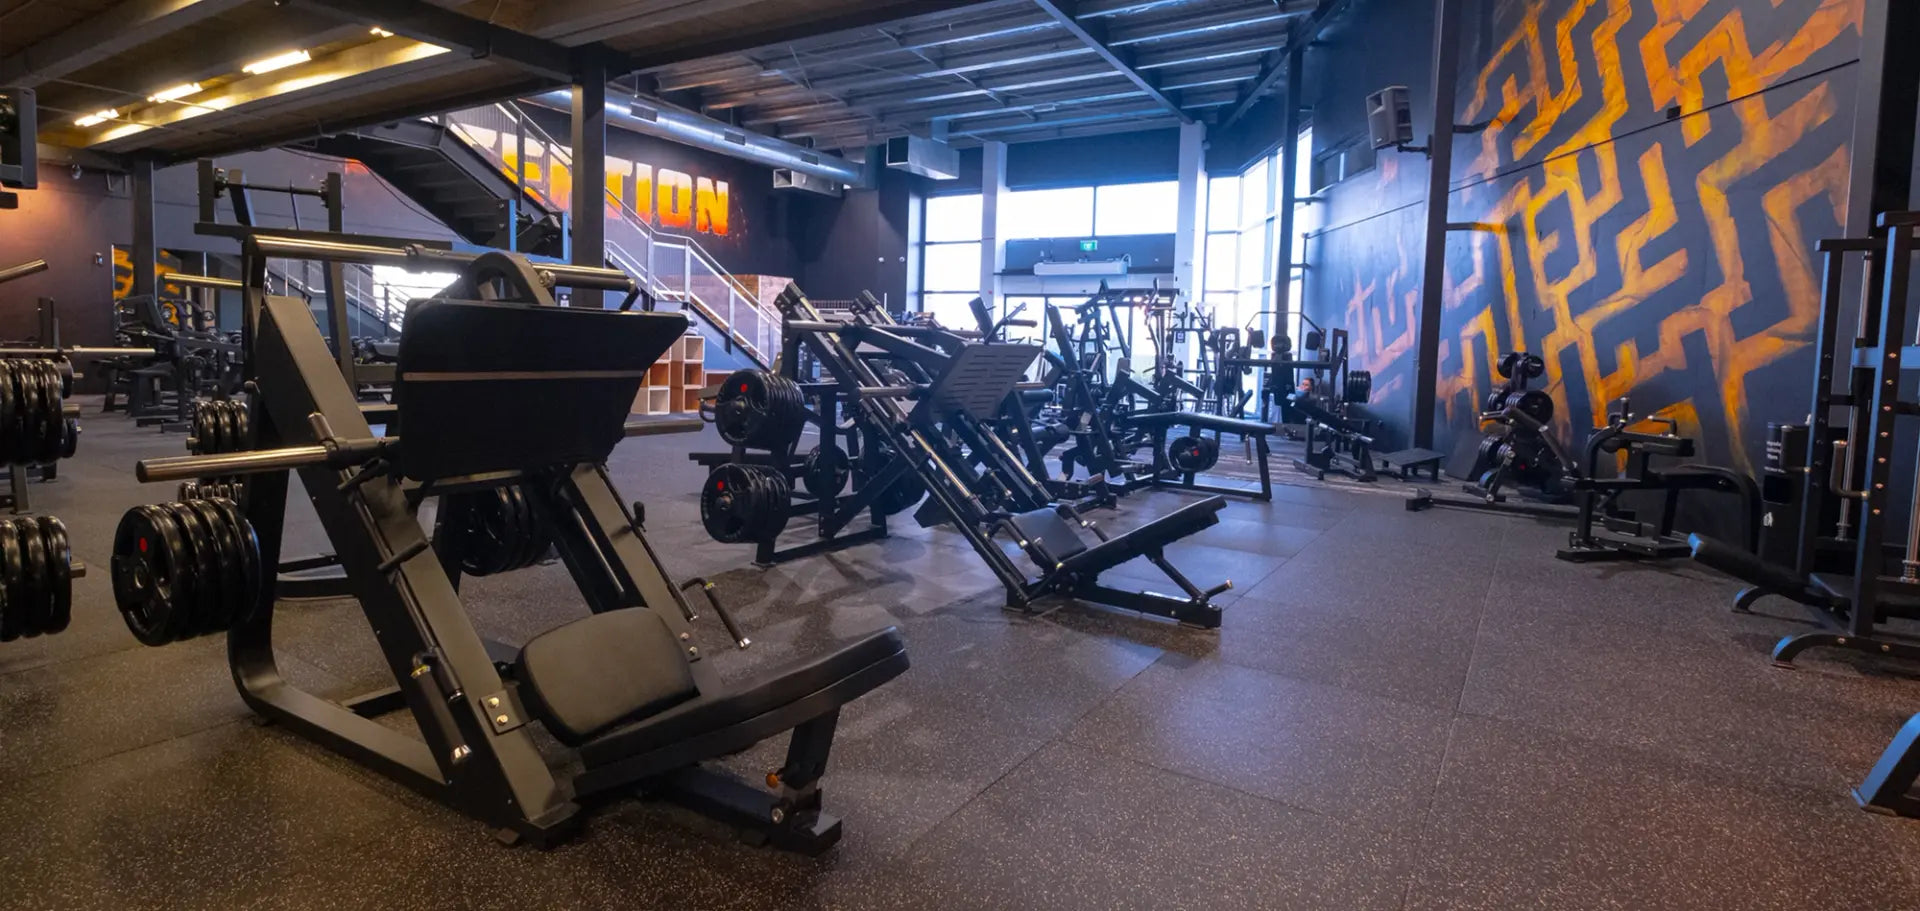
(1402, 710)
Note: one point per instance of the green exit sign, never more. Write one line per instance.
(1088, 246)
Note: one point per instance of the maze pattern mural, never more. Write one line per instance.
(1643, 201)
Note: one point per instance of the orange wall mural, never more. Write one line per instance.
(1642, 203)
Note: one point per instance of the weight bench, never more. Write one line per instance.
(625, 687)
(1071, 561)
(1166, 474)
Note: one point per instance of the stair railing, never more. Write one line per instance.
(673, 267)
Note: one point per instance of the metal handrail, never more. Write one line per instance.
(689, 249)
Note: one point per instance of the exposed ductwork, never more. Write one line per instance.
(701, 132)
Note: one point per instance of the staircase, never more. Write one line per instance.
(674, 268)
(454, 183)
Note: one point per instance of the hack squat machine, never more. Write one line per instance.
(907, 413)
(634, 703)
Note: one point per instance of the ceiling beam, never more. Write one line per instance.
(480, 39)
(104, 35)
(1275, 62)
(1093, 35)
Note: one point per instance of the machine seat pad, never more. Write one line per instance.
(1051, 532)
(711, 712)
(1036, 397)
(612, 667)
(1171, 527)
(1197, 421)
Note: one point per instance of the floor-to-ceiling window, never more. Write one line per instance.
(950, 258)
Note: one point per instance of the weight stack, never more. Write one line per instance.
(1783, 499)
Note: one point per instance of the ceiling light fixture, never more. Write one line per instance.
(379, 32)
(277, 62)
(97, 117)
(176, 93)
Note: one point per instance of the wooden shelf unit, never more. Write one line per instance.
(674, 382)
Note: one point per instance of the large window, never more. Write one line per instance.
(1137, 208)
(1242, 256)
(950, 259)
(1066, 212)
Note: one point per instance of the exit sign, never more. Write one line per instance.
(1088, 246)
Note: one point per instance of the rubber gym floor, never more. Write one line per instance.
(1401, 711)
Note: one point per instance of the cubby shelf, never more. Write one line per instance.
(673, 383)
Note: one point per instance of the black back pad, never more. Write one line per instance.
(487, 387)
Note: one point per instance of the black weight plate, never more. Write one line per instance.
(53, 534)
(226, 557)
(9, 414)
(70, 441)
(777, 495)
(20, 609)
(248, 546)
(726, 507)
(144, 573)
(202, 569)
(56, 417)
(27, 428)
(826, 471)
(243, 426)
(33, 565)
(14, 614)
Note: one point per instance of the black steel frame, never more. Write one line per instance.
(475, 752)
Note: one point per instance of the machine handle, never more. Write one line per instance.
(23, 270)
(1836, 478)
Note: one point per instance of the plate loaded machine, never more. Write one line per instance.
(932, 411)
(1519, 453)
(1851, 463)
(1336, 439)
(1609, 530)
(1108, 420)
(636, 704)
(754, 490)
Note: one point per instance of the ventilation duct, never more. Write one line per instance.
(700, 132)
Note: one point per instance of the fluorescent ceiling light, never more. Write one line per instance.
(379, 32)
(97, 117)
(279, 62)
(176, 93)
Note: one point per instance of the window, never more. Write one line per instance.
(1137, 208)
(1047, 213)
(954, 311)
(950, 258)
(951, 218)
(950, 267)
(1223, 203)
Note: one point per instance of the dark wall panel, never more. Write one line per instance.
(1645, 199)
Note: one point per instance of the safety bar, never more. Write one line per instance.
(23, 270)
(73, 352)
(419, 258)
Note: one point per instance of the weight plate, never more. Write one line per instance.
(70, 442)
(226, 562)
(243, 426)
(826, 471)
(729, 504)
(53, 534)
(56, 418)
(248, 547)
(34, 575)
(203, 569)
(778, 497)
(27, 427)
(20, 609)
(144, 572)
(14, 613)
(9, 414)
(526, 528)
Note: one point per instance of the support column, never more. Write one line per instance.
(1290, 152)
(993, 251)
(1426, 365)
(1187, 227)
(589, 216)
(143, 251)
(1883, 120)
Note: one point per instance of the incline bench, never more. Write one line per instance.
(1165, 474)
